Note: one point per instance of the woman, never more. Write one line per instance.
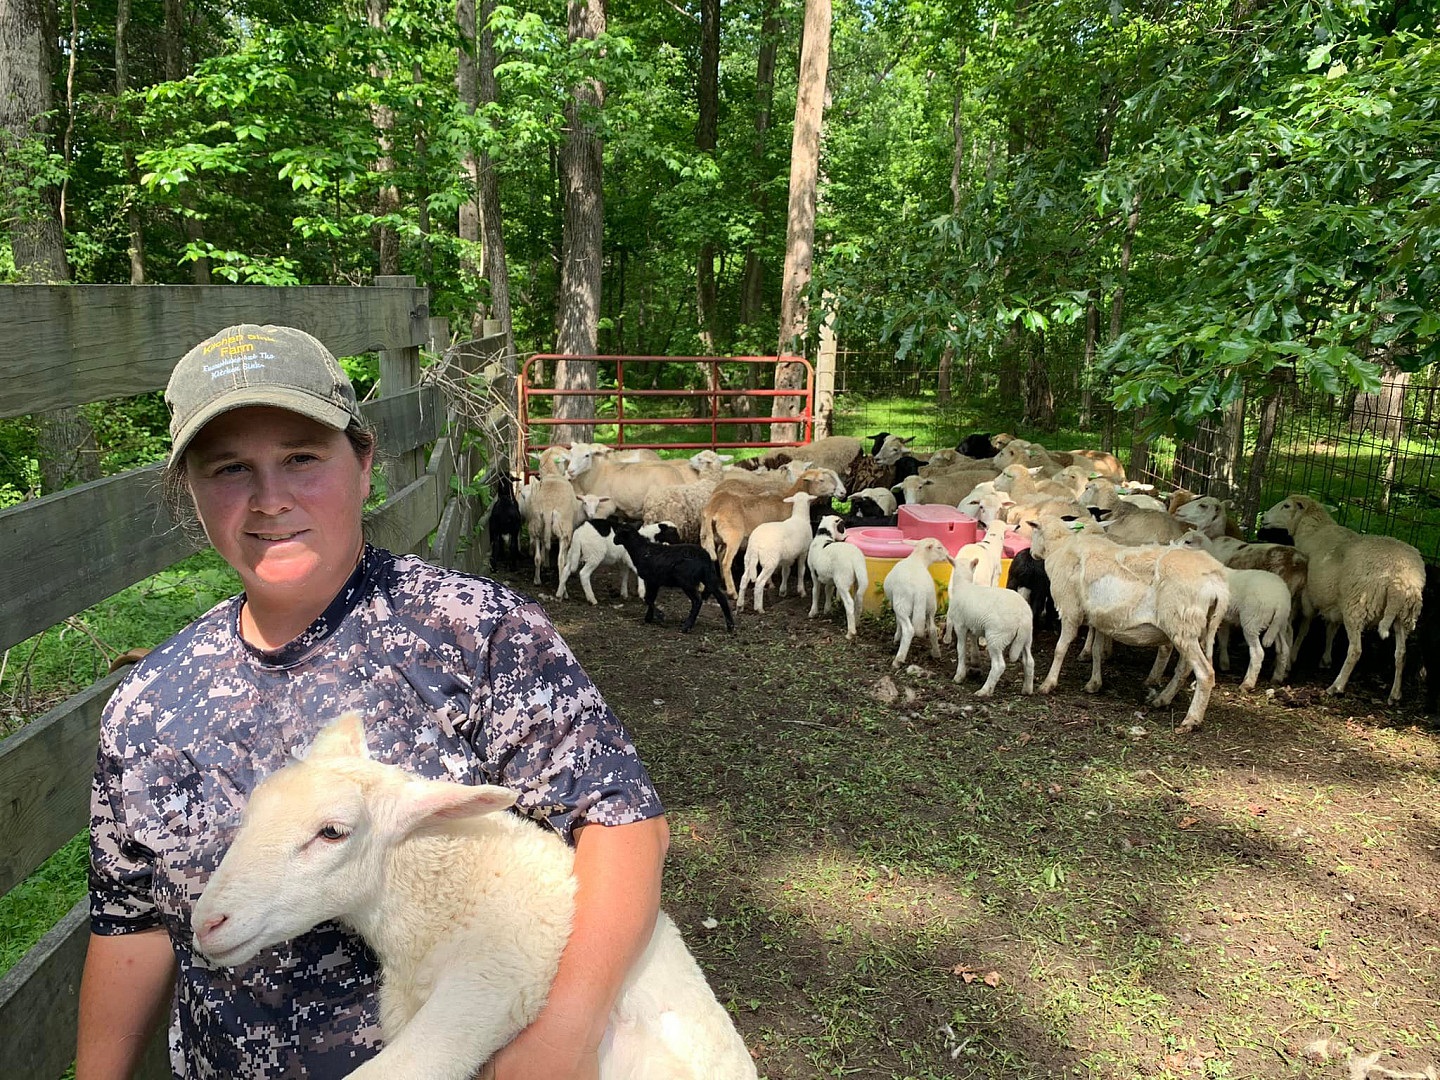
(458, 678)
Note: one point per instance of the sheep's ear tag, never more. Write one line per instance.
(1094, 476)
(1077, 526)
(344, 737)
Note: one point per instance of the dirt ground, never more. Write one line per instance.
(887, 878)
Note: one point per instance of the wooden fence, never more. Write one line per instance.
(69, 345)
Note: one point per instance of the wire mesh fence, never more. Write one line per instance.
(1373, 459)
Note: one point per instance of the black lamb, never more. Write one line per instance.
(682, 566)
(1028, 572)
(906, 466)
(1427, 638)
(977, 446)
(505, 521)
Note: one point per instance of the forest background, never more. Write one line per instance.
(1180, 209)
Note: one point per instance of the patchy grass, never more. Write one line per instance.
(1143, 904)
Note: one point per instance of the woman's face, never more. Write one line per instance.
(281, 498)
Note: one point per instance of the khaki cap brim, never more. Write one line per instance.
(279, 397)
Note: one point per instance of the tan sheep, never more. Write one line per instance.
(946, 489)
(731, 515)
(1106, 464)
(1129, 524)
(1360, 581)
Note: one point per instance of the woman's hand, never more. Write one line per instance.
(617, 896)
(547, 1050)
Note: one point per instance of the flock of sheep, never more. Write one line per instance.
(1104, 554)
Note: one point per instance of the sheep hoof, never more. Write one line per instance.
(984, 693)
(1092, 687)
(1046, 687)
(1186, 728)
(1151, 696)
(1333, 691)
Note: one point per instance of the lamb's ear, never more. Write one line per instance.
(418, 803)
(344, 737)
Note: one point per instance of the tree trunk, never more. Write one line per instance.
(468, 93)
(174, 40)
(800, 218)
(173, 48)
(947, 355)
(497, 266)
(752, 291)
(27, 58)
(132, 196)
(580, 167)
(1382, 414)
(1039, 397)
(1092, 333)
(387, 198)
(1259, 459)
(1139, 444)
(706, 132)
(1229, 444)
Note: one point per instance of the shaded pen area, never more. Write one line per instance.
(933, 887)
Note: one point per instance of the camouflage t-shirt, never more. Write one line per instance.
(457, 678)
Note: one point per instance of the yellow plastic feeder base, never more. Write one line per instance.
(874, 598)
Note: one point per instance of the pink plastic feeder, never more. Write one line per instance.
(945, 523)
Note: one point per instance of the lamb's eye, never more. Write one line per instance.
(333, 832)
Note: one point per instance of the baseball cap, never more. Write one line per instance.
(256, 365)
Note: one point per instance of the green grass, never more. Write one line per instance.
(48, 668)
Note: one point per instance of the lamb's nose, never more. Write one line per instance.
(209, 926)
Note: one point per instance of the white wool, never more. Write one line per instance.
(589, 551)
(1158, 596)
(911, 592)
(1001, 617)
(837, 567)
(778, 545)
(467, 907)
(983, 559)
(1358, 581)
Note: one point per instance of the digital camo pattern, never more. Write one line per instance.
(457, 677)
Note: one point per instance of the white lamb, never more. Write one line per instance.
(550, 512)
(837, 567)
(468, 909)
(999, 616)
(778, 545)
(1260, 604)
(983, 558)
(911, 592)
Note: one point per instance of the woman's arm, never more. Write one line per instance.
(123, 993)
(617, 872)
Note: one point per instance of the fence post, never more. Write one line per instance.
(400, 370)
(825, 374)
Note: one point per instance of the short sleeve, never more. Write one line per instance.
(548, 733)
(120, 867)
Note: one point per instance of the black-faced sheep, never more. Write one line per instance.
(505, 522)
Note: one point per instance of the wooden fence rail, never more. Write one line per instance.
(61, 554)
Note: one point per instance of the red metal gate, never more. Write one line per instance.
(715, 392)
